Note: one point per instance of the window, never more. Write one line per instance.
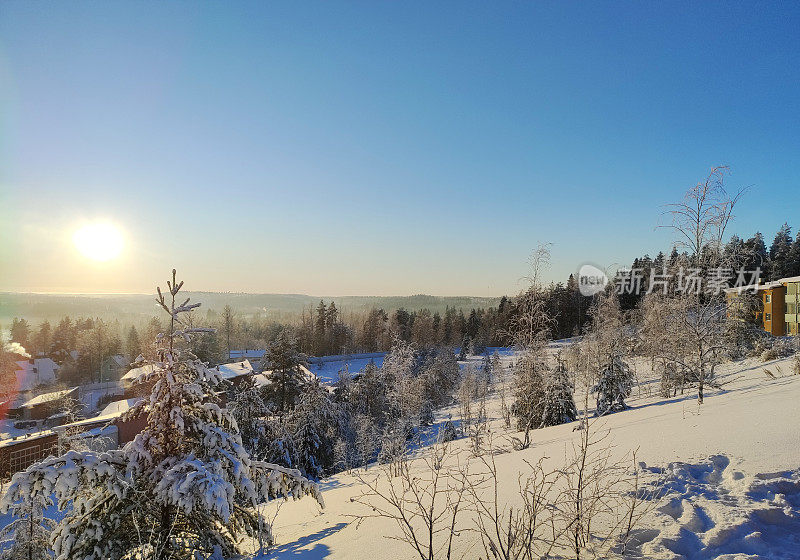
(768, 298)
(768, 316)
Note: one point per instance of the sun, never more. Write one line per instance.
(99, 241)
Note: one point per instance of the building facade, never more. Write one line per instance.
(779, 311)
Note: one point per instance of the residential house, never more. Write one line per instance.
(35, 372)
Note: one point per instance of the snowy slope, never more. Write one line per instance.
(732, 466)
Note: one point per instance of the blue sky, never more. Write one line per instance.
(380, 148)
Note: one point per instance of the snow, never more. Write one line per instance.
(732, 469)
(236, 369)
(48, 397)
(134, 374)
(327, 368)
(117, 408)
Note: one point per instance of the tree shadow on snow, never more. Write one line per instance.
(297, 550)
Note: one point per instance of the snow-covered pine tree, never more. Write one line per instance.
(558, 403)
(286, 379)
(317, 424)
(184, 488)
(27, 537)
(251, 410)
(613, 386)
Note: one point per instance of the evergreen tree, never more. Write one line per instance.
(133, 348)
(319, 329)
(41, 345)
(779, 253)
(558, 406)
(27, 537)
(614, 386)
(793, 268)
(63, 340)
(316, 421)
(228, 328)
(286, 379)
(20, 332)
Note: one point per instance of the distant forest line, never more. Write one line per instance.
(134, 308)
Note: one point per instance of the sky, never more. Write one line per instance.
(380, 148)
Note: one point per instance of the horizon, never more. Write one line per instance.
(378, 149)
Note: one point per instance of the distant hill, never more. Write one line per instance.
(37, 307)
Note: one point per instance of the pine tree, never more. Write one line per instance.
(316, 421)
(133, 347)
(286, 379)
(558, 406)
(320, 346)
(793, 269)
(779, 253)
(41, 344)
(27, 537)
(184, 488)
(614, 386)
(20, 332)
(63, 340)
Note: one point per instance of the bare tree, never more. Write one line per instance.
(701, 218)
(424, 502)
(697, 317)
(531, 332)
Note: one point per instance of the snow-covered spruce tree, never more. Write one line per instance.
(614, 386)
(405, 391)
(251, 410)
(184, 488)
(27, 537)
(317, 422)
(286, 379)
(558, 403)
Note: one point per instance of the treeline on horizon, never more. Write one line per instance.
(323, 329)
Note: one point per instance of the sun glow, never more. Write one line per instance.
(99, 241)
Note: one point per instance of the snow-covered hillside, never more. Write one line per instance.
(730, 470)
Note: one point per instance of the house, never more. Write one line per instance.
(46, 404)
(113, 367)
(17, 454)
(780, 305)
(236, 371)
(34, 372)
(247, 354)
(109, 430)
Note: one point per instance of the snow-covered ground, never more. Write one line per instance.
(327, 368)
(732, 470)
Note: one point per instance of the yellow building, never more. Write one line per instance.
(780, 305)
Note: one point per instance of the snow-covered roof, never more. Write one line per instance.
(765, 286)
(48, 397)
(117, 408)
(31, 373)
(136, 373)
(236, 369)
